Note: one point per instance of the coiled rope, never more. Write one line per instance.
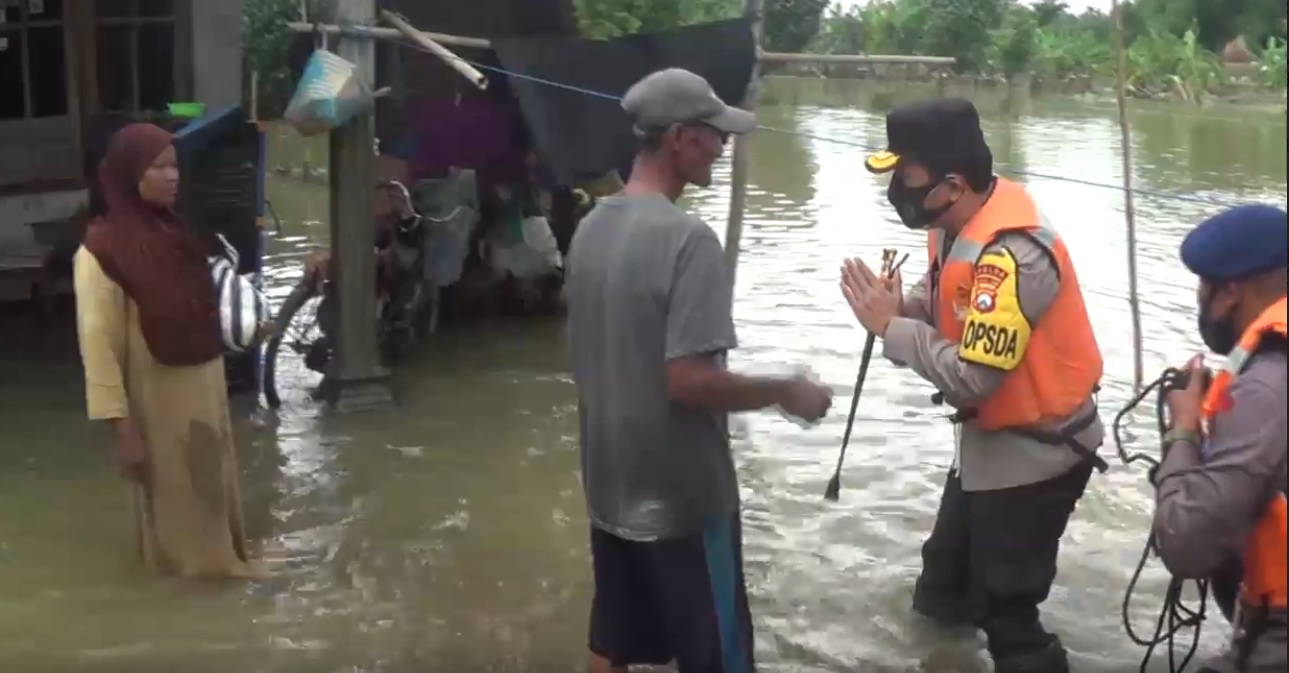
(1175, 615)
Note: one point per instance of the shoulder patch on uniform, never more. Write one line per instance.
(996, 332)
(992, 270)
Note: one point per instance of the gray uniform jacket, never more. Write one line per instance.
(989, 460)
(1210, 498)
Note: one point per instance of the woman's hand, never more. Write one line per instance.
(132, 453)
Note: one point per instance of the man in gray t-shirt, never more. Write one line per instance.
(650, 322)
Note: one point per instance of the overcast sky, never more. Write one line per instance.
(1076, 6)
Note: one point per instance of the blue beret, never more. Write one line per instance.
(1238, 243)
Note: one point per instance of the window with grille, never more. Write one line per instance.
(136, 54)
(33, 63)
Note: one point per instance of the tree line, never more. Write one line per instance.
(1171, 44)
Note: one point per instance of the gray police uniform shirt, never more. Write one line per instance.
(989, 459)
(646, 283)
(1209, 499)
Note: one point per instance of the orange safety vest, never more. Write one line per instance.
(1265, 565)
(1062, 364)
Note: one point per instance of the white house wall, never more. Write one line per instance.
(217, 51)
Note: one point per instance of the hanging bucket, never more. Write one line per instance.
(330, 93)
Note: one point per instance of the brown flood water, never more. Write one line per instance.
(448, 534)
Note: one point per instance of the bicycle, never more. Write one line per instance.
(407, 303)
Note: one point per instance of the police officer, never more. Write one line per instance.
(998, 325)
(1221, 484)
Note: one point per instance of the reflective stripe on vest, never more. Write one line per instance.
(1062, 362)
(1265, 565)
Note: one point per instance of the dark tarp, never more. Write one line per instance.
(580, 136)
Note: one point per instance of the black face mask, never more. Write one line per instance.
(909, 203)
(1218, 332)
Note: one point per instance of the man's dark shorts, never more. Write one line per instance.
(681, 600)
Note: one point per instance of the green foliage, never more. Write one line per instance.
(790, 25)
(893, 26)
(1062, 54)
(840, 32)
(265, 36)
(604, 19)
(1015, 43)
(1216, 22)
(1167, 52)
(1161, 64)
(1272, 68)
(266, 40)
(1046, 12)
(960, 28)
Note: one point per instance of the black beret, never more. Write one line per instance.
(1239, 243)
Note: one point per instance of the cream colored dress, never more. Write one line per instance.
(189, 521)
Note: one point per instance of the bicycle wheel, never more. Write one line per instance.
(297, 326)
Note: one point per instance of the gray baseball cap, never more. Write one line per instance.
(676, 96)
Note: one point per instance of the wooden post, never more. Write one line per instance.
(355, 379)
(1129, 210)
(741, 160)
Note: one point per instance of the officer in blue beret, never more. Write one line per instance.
(1220, 500)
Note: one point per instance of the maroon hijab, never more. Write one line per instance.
(153, 255)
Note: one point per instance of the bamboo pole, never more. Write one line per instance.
(741, 161)
(387, 34)
(855, 59)
(426, 42)
(1129, 211)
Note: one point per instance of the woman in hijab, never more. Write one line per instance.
(149, 339)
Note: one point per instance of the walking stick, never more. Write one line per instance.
(833, 492)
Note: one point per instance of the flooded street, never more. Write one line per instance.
(448, 534)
